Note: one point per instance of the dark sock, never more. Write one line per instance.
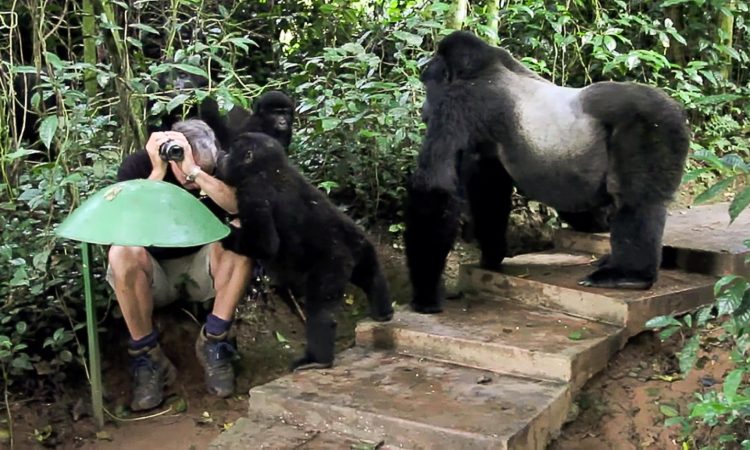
(149, 340)
(217, 326)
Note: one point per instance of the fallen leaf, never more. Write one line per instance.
(103, 436)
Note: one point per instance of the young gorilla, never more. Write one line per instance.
(608, 145)
(273, 114)
(299, 235)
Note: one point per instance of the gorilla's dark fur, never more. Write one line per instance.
(302, 238)
(618, 146)
(273, 114)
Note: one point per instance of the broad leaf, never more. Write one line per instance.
(714, 190)
(662, 321)
(739, 204)
(47, 130)
(732, 382)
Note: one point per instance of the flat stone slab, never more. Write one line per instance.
(550, 280)
(699, 240)
(500, 336)
(416, 403)
(274, 435)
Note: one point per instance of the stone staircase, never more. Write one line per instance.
(497, 369)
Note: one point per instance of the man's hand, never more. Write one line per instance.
(159, 166)
(188, 163)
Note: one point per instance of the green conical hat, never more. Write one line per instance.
(143, 213)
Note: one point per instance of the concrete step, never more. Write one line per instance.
(262, 434)
(699, 239)
(416, 403)
(550, 280)
(500, 336)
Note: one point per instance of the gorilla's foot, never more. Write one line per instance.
(426, 308)
(493, 264)
(613, 278)
(603, 260)
(308, 362)
(454, 294)
(382, 316)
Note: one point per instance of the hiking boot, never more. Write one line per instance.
(151, 371)
(216, 354)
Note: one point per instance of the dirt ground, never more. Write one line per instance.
(618, 409)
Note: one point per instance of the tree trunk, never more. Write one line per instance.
(89, 47)
(459, 14)
(493, 20)
(726, 29)
(676, 51)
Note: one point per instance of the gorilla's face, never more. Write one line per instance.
(250, 155)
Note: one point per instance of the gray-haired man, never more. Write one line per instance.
(146, 277)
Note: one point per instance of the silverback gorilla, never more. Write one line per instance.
(302, 238)
(618, 145)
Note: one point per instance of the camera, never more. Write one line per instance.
(171, 151)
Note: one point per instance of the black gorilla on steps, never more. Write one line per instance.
(302, 238)
(608, 145)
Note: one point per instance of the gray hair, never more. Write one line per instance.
(203, 141)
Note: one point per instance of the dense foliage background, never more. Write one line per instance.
(353, 68)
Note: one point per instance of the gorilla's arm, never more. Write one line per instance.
(256, 202)
(447, 135)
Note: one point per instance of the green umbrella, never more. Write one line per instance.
(134, 213)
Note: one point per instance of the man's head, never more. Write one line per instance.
(204, 144)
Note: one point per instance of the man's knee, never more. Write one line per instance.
(225, 264)
(125, 262)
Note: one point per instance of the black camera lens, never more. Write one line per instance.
(171, 151)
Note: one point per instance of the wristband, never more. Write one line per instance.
(193, 174)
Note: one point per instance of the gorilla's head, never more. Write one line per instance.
(251, 154)
(465, 55)
(276, 110)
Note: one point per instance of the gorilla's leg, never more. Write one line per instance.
(324, 293)
(636, 249)
(432, 218)
(489, 188)
(368, 276)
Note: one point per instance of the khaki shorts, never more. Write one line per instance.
(188, 277)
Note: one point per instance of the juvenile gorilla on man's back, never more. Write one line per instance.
(295, 231)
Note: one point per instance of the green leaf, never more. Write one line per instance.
(667, 333)
(330, 124)
(180, 406)
(732, 382)
(280, 337)
(54, 60)
(689, 354)
(145, 28)
(668, 411)
(20, 153)
(47, 130)
(410, 38)
(714, 190)
(576, 335)
(723, 282)
(21, 327)
(673, 421)
(662, 321)
(739, 204)
(191, 69)
(66, 356)
(176, 101)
